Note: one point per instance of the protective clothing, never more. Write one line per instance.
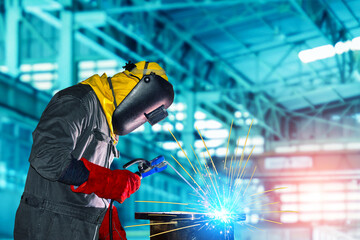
(128, 87)
(72, 126)
(118, 231)
(76, 124)
(110, 184)
(156, 92)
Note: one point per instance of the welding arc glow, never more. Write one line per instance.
(221, 202)
(222, 215)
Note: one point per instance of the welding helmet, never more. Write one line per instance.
(146, 102)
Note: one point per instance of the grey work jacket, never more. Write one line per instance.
(73, 125)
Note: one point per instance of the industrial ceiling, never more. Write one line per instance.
(231, 60)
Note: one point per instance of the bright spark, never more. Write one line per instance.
(163, 202)
(222, 215)
(150, 224)
(221, 200)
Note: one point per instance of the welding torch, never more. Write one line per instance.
(145, 168)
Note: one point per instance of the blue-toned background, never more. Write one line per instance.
(290, 66)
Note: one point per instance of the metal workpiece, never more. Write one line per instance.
(189, 226)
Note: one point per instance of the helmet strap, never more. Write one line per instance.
(112, 90)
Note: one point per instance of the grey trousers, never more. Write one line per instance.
(38, 219)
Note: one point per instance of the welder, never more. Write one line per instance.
(69, 182)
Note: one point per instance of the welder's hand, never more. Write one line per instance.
(110, 184)
(117, 229)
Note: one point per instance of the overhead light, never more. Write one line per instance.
(356, 116)
(354, 196)
(354, 145)
(256, 140)
(248, 121)
(4, 69)
(288, 162)
(339, 206)
(218, 133)
(342, 47)
(86, 74)
(168, 126)
(311, 197)
(171, 117)
(317, 53)
(327, 51)
(171, 145)
(247, 150)
(220, 152)
(25, 77)
(354, 206)
(43, 85)
(355, 44)
(156, 128)
(306, 217)
(238, 114)
(213, 143)
(25, 67)
(309, 187)
(107, 63)
(180, 106)
(289, 197)
(87, 64)
(44, 67)
(333, 146)
(285, 149)
(309, 148)
(43, 76)
(179, 126)
(310, 207)
(180, 116)
(206, 154)
(180, 153)
(200, 115)
(335, 117)
(207, 124)
(289, 217)
(109, 72)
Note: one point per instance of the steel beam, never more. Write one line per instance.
(187, 135)
(21, 98)
(55, 22)
(39, 36)
(229, 71)
(67, 72)
(151, 7)
(12, 36)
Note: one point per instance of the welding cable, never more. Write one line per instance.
(111, 222)
(110, 219)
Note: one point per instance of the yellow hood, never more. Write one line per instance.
(123, 83)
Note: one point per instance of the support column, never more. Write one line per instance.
(188, 136)
(12, 36)
(67, 73)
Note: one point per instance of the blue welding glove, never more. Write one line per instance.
(155, 162)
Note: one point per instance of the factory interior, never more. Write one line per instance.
(267, 105)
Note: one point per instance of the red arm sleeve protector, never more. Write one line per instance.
(110, 184)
